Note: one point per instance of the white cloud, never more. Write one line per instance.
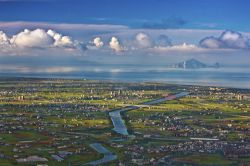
(211, 42)
(29, 42)
(96, 43)
(115, 45)
(5, 45)
(228, 39)
(36, 38)
(184, 46)
(234, 39)
(60, 40)
(143, 40)
(37, 41)
(177, 48)
(3, 38)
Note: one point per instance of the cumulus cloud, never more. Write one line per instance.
(39, 38)
(5, 45)
(4, 40)
(234, 39)
(115, 45)
(211, 42)
(95, 43)
(30, 42)
(60, 40)
(27, 41)
(228, 39)
(98, 42)
(36, 38)
(143, 40)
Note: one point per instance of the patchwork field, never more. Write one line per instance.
(58, 117)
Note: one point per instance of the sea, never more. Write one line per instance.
(222, 77)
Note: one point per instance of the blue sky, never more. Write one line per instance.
(64, 35)
(222, 14)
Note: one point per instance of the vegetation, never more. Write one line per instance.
(43, 117)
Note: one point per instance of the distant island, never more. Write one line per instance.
(195, 64)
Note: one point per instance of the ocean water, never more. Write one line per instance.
(228, 77)
(210, 78)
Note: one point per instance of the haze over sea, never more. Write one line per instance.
(223, 77)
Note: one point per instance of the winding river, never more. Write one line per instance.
(120, 127)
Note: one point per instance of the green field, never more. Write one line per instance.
(45, 116)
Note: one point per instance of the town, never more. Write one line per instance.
(67, 122)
